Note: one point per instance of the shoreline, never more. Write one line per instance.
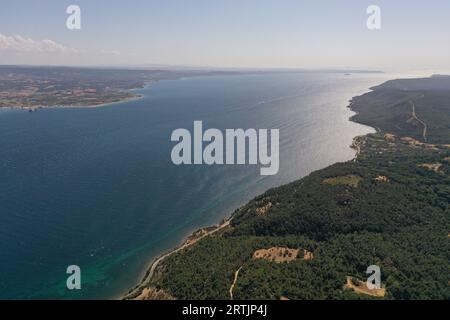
(135, 291)
(190, 240)
(134, 97)
(74, 106)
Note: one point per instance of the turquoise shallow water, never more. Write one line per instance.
(96, 187)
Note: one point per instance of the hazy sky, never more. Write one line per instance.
(228, 33)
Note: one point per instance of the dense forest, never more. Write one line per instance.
(389, 207)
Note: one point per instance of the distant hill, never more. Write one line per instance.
(436, 82)
(389, 107)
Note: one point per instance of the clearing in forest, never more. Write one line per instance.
(349, 180)
(280, 254)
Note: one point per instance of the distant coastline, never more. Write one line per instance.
(32, 88)
(76, 106)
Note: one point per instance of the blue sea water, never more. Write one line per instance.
(96, 187)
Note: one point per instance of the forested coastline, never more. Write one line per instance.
(389, 207)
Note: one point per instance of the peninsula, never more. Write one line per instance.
(31, 87)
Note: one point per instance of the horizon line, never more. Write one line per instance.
(198, 68)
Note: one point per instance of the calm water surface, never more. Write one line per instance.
(96, 187)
